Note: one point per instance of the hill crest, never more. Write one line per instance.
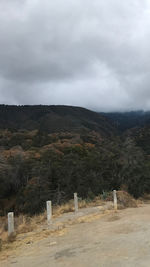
(54, 118)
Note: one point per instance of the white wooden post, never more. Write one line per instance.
(115, 199)
(49, 211)
(10, 223)
(76, 202)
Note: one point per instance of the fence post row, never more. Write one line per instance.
(49, 211)
(115, 199)
(76, 202)
(10, 223)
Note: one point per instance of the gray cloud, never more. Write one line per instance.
(86, 53)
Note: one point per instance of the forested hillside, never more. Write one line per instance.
(50, 152)
(52, 119)
(127, 120)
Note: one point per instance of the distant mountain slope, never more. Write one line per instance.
(135, 124)
(127, 120)
(141, 137)
(53, 119)
(50, 152)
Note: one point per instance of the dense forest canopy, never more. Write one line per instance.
(50, 152)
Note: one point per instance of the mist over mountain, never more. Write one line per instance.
(126, 120)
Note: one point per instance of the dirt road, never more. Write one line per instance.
(119, 240)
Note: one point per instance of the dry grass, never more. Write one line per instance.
(12, 237)
(62, 227)
(125, 200)
(69, 206)
(25, 224)
(22, 240)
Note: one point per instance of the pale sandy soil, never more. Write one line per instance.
(97, 240)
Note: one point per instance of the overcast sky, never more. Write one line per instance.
(94, 54)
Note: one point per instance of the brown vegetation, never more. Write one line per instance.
(25, 224)
(124, 199)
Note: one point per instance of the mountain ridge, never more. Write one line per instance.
(53, 118)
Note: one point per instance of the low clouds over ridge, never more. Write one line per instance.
(84, 53)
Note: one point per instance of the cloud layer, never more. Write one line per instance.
(87, 53)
